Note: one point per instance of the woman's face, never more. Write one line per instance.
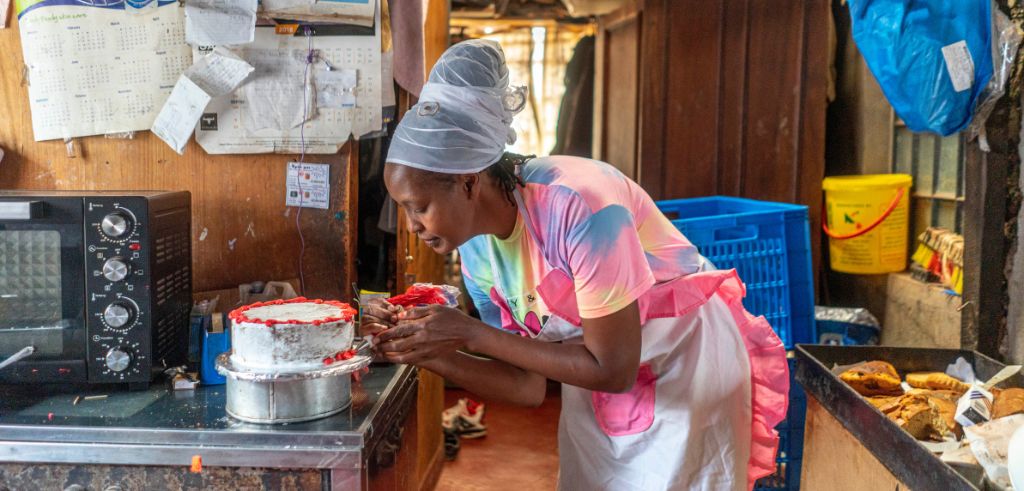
(439, 208)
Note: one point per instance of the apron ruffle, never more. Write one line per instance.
(769, 370)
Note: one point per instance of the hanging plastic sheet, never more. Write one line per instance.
(1006, 39)
(933, 58)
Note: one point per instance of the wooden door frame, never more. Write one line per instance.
(631, 13)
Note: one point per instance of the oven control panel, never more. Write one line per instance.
(118, 310)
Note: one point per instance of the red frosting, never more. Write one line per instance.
(347, 312)
(419, 295)
(340, 356)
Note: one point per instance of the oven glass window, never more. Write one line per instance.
(30, 290)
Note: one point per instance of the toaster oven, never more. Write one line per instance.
(99, 284)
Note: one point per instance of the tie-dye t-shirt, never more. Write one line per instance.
(596, 225)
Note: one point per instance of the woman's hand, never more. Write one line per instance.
(425, 333)
(378, 316)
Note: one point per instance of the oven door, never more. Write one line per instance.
(42, 288)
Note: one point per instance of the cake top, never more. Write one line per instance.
(298, 310)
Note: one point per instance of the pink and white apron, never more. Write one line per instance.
(713, 382)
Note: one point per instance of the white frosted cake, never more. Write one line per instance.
(291, 335)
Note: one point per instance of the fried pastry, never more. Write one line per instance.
(873, 378)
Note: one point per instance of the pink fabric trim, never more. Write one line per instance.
(769, 370)
(559, 294)
(628, 413)
(508, 323)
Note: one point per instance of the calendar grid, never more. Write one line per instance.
(100, 71)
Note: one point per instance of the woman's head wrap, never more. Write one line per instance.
(463, 119)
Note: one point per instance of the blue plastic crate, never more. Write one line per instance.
(769, 245)
(791, 441)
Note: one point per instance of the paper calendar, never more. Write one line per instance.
(94, 68)
(234, 124)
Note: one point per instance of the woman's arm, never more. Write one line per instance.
(607, 361)
(490, 379)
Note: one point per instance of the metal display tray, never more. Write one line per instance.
(904, 456)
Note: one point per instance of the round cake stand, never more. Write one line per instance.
(269, 397)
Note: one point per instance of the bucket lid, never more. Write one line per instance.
(867, 182)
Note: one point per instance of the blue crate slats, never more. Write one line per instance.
(769, 246)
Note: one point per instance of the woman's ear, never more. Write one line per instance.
(470, 184)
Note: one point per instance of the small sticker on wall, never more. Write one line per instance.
(959, 64)
(208, 122)
(308, 185)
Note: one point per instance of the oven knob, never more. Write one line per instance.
(115, 269)
(118, 314)
(118, 359)
(116, 225)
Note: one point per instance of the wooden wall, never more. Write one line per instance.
(617, 60)
(731, 99)
(241, 229)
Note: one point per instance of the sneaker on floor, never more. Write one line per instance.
(465, 419)
(474, 412)
(451, 445)
(467, 409)
(448, 416)
(466, 428)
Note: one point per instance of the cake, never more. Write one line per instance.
(291, 335)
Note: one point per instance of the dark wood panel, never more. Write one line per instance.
(732, 104)
(983, 320)
(651, 127)
(430, 441)
(621, 94)
(814, 104)
(733, 98)
(692, 117)
(241, 229)
(773, 100)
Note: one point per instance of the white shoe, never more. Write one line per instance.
(465, 419)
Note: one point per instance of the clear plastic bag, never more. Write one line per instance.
(846, 326)
(427, 294)
(1006, 38)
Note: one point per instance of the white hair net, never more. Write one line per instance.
(463, 119)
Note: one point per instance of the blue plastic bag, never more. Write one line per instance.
(933, 58)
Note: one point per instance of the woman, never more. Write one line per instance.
(667, 383)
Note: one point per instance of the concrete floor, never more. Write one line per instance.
(519, 453)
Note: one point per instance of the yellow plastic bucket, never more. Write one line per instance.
(867, 219)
